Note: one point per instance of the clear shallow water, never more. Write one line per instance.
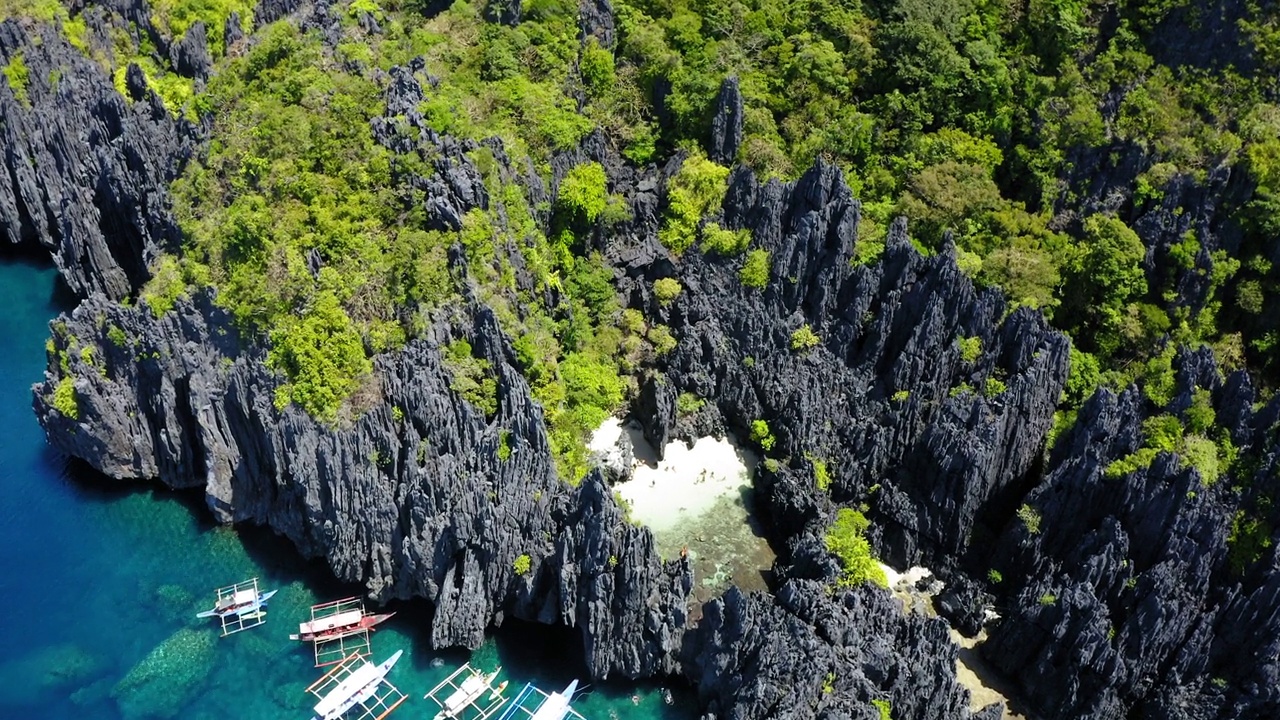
(101, 583)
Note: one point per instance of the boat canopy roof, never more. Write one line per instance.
(330, 622)
(350, 685)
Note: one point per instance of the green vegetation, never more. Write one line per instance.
(522, 565)
(716, 239)
(993, 387)
(504, 445)
(321, 354)
(687, 403)
(847, 541)
(884, 708)
(1165, 433)
(165, 287)
(692, 193)
(19, 78)
(1048, 599)
(583, 193)
(116, 335)
(994, 576)
(804, 339)
(472, 377)
(970, 349)
(756, 269)
(1030, 518)
(762, 435)
(1248, 541)
(65, 400)
(901, 396)
(821, 474)
(666, 290)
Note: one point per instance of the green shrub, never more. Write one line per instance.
(695, 191)
(687, 403)
(993, 387)
(884, 708)
(1201, 453)
(666, 290)
(321, 355)
(504, 445)
(970, 349)
(65, 400)
(583, 192)
(762, 435)
(821, 474)
(1030, 518)
(522, 565)
(662, 339)
(472, 377)
(1048, 599)
(116, 335)
(756, 270)
(1200, 415)
(716, 239)
(804, 339)
(597, 68)
(847, 541)
(1247, 542)
(165, 286)
(994, 576)
(901, 396)
(19, 78)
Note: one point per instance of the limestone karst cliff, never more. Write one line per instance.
(1145, 593)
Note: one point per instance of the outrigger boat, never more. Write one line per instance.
(473, 697)
(363, 683)
(468, 693)
(240, 602)
(337, 626)
(339, 629)
(239, 607)
(554, 706)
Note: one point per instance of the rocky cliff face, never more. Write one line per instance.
(85, 171)
(802, 653)
(413, 498)
(1151, 594)
(938, 441)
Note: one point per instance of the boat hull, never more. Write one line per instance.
(368, 622)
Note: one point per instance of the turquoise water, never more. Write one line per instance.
(101, 583)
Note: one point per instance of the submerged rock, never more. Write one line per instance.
(164, 681)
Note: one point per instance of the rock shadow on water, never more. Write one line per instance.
(552, 656)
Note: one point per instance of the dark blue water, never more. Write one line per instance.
(101, 582)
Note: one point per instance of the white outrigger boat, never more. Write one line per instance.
(468, 694)
(472, 698)
(357, 683)
(554, 706)
(239, 607)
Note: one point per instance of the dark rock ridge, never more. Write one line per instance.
(85, 173)
(804, 654)
(939, 445)
(1128, 598)
(412, 503)
(726, 123)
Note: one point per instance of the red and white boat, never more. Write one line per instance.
(338, 625)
